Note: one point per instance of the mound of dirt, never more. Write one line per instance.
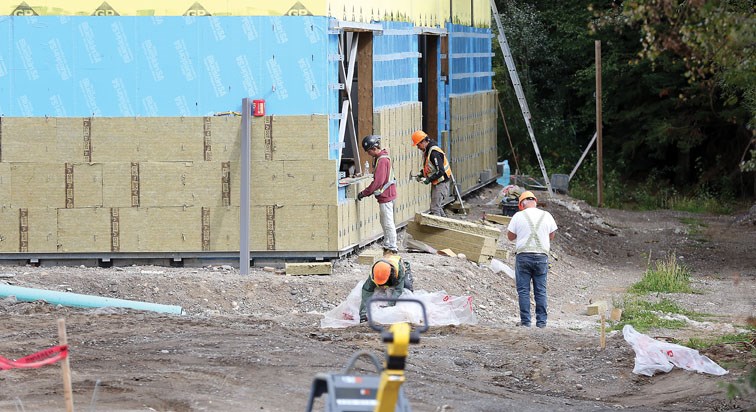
(254, 342)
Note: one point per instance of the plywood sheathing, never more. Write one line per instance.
(472, 143)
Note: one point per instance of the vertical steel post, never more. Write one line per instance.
(246, 135)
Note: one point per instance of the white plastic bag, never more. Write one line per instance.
(441, 309)
(499, 266)
(653, 356)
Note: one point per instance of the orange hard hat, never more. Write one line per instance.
(418, 137)
(526, 195)
(381, 273)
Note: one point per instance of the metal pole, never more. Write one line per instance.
(246, 135)
(599, 132)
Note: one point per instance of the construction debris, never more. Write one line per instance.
(597, 308)
(370, 256)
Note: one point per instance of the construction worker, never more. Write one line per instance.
(383, 187)
(390, 272)
(532, 229)
(436, 171)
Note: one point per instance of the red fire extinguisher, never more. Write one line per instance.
(258, 108)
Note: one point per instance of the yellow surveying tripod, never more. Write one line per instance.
(356, 393)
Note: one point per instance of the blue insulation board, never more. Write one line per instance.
(471, 56)
(395, 60)
(79, 66)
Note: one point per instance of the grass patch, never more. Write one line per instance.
(667, 275)
(643, 315)
(697, 204)
(695, 227)
(745, 341)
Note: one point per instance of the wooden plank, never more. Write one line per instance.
(458, 225)
(479, 249)
(317, 268)
(500, 219)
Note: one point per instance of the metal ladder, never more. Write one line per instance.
(518, 91)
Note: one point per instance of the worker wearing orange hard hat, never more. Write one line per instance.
(436, 170)
(532, 230)
(391, 273)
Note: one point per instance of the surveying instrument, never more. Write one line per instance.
(347, 392)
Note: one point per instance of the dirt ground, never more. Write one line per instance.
(255, 343)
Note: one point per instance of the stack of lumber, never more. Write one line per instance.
(477, 242)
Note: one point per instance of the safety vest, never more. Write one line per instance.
(430, 168)
(391, 180)
(533, 243)
(394, 261)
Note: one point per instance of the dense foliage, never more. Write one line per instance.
(679, 93)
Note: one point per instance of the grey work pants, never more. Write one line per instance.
(439, 192)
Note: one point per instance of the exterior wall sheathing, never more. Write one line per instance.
(124, 152)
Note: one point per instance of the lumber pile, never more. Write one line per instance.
(476, 242)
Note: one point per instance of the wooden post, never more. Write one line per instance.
(65, 366)
(599, 132)
(603, 332)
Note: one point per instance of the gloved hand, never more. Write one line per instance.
(419, 178)
(363, 318)
(425, 180)
(360, 196)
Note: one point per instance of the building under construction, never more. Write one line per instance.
(121, 134)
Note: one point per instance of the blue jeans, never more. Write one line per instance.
(531, 267)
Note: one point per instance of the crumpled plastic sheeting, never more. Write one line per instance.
(653, 356)
(441, 309)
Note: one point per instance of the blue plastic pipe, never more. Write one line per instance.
(82, 301)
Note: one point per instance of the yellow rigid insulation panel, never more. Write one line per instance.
(472, 146)
(431, 13)
(193, 8)
(160, 229)
(38, 184)
(28, 138)
(40, 225)
(84, 229)
(164, 184)
(87, 185)
(275, 228)
(119, 188)
(5, 185)
(9, 230)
